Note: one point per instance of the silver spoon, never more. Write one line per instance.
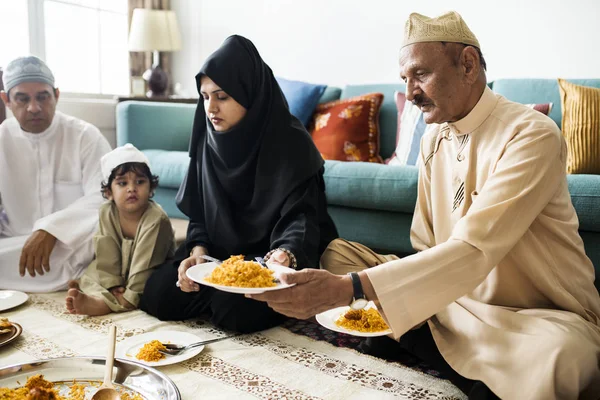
(107, 390)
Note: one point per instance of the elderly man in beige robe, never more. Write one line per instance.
(501, 277)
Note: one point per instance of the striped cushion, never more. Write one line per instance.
(581, 127)
(412, 129)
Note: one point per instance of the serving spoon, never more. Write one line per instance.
(107, 390)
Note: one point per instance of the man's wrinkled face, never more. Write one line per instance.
(33, 104)
(435, 80)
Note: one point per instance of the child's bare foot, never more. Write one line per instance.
(81, 303)
(73, 285)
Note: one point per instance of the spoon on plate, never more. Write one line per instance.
(107, 390)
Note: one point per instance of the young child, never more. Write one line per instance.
(135, 235)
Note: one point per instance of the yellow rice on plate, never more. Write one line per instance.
(362, 320)
(150, 351)
(236, 272)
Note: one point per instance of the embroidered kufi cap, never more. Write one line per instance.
(448, 27)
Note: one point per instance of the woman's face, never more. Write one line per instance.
(222, 110)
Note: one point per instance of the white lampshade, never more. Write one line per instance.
(154, 30)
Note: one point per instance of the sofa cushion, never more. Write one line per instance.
(538, 91)
(581, 127)
(302, 97)
(348, 129)
(170, 166)
(412, 128)
(400, 99)
(388, 114)
(166, 198)
(371, 186)
(585, 195)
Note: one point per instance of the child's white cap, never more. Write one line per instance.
(121, 155)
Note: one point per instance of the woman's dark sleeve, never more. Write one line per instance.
(297, 229)
(196, 235)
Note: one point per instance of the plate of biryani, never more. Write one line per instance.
(9, 331)
(78, 378)
(366, 322)
(145, 348)
(235, 275)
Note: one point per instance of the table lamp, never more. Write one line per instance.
(156, 31)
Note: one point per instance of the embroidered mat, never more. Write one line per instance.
(299, 360)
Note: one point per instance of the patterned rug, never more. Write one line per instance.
(317, 332)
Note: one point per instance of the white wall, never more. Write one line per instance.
(350, 41)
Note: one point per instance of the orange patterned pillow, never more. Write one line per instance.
(348, 129)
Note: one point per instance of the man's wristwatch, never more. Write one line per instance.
(359, 301)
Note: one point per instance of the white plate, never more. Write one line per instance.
(128, 348)
(198, 272)
(328, 318)
(11, 298)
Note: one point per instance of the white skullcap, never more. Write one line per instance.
(26, 69)
(121, 155)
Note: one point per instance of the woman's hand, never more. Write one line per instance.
(186, 284)
(279, 257)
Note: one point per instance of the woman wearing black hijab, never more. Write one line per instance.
(254, 187)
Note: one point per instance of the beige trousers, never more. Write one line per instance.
(565, 365)
(342, 257)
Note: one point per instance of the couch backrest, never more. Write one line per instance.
(148, 125)
(538, 91)
(524, 91)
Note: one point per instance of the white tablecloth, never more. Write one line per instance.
(273, 364)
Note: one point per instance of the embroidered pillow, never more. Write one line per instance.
(348, 129)
(302, 97)
(581, 127)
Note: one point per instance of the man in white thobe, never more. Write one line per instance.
(501, 293)
(50, 183)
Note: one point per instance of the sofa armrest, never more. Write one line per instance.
(371, 186)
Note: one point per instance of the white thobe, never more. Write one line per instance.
(49, 181)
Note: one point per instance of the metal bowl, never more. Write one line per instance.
(148, 382)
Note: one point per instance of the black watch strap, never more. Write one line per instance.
(357, 286)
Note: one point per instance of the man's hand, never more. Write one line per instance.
(315, 291)
(35, 256)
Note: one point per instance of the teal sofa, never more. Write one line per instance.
(370, 203)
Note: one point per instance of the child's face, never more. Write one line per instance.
(130, 192)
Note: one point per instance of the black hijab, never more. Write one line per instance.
(239, 179)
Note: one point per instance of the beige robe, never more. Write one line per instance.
(501, 274)
(121, 261)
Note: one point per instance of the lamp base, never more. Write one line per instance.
(158, 82)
